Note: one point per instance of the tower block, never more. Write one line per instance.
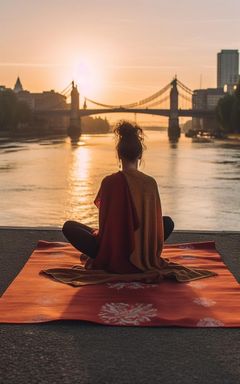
(74, 130)
(173, 123)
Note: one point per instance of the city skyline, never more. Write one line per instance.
(114, 54)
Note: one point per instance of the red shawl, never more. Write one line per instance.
(117, 223)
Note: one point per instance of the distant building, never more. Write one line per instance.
(18, 86)
(3, 88)
(205, 99)
(45, 101)
(28, 98)
(227, 69)
(49, 100)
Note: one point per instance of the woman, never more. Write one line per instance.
(119, 196)
(132, 230)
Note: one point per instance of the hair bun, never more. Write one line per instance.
(126, 129)
(130, 138)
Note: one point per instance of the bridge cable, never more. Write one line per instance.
(184, 87)
(66, 91)
(185, 98)
(136, 104)
(159, 102)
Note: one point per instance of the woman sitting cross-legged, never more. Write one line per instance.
(129, 243)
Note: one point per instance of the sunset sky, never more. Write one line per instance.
(118, 51)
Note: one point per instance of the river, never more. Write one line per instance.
(45, 182)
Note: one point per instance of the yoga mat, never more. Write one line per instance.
(209, 302)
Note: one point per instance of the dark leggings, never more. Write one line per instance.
(81, 236)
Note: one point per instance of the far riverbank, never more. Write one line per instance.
(21, 137)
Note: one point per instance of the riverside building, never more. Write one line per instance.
(227, 69)
(44, 101)
(205, 99)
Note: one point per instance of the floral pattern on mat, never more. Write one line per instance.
(209, 322)
(205, 302)
(40, 318)
(197, 284)
(131, 285)
(47, 300)
(127, 314)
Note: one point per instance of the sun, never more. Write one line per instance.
(88, 77)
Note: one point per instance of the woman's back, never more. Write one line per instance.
(149, 235)
(130, 223)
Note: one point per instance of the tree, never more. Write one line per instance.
(224, 111)
(235, 115)
(24, 113)
(228, 112)
(12, 111)
(8, 102)
(95, 125)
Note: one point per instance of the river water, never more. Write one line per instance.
(45, 182)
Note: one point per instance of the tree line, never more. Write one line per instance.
(95, 125)
(12, 111)
(228, 112)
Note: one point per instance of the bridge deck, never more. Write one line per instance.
(146, 111)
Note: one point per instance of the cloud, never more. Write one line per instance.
(157, 67)
(127, 21)
(37, 65)
(209, 66)
(206, 21)
(126, 87)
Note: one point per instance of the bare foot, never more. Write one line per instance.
(84, 257)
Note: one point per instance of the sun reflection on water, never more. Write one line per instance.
(81, 161)
(80, 183)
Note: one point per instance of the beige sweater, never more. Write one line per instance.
(150, 234)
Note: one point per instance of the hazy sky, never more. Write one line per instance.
(119, 51)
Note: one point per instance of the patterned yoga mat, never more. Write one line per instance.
(209, 302)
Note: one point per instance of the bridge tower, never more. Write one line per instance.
(74, 130)
(173, 123)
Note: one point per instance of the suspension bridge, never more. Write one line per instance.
(172, 101)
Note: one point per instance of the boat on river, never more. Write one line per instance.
(202, 137)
